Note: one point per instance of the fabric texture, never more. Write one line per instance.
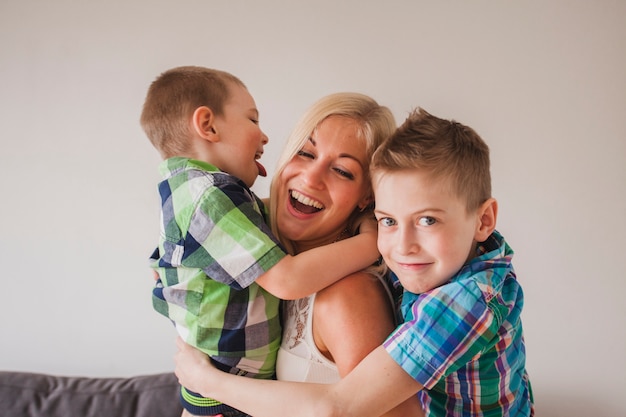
(198, 405)
(298, 358)
(215, 242)
(463, 341)
(24, 394)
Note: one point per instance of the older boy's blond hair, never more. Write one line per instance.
(173, 98)
(375, 124)
(445, 149)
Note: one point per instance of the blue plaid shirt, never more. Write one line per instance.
(463, 341)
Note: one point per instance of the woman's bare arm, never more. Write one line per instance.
(351, 318)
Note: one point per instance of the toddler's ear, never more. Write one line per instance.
(203, 123)
(487, 215)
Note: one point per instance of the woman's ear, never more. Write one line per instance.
(487, 216)
(203, 123)
(366, 203)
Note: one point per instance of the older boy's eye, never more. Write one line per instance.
(386, 221)
(426, 221)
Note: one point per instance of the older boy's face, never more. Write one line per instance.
(241, 138)
(425, 234)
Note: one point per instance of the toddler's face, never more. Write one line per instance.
(425, 234)
(241, 138)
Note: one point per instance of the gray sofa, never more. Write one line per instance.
(25, 394)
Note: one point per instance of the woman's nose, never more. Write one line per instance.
(313, 175)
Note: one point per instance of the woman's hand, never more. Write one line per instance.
(193, 368)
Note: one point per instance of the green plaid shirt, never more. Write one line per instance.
(214, 244)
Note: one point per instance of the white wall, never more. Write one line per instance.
(542, 81)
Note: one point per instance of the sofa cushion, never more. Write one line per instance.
(28, 395)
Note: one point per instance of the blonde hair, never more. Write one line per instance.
(173, 98)
(445, 149)
(375, 124)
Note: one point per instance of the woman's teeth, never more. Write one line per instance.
(306, 200)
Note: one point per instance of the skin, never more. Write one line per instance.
(420, 223)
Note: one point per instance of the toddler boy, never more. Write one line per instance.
(221, 269)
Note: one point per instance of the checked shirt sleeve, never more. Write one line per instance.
(444, 330)
(215, 244)
(226, 235)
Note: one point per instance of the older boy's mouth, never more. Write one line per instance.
(303, 203)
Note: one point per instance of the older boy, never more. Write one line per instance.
(220, 267)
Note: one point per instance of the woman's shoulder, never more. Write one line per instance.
(353, 286)
(354, 292)
(351, 318)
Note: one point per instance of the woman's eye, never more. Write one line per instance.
(345, 174)
(387, 222)
(305, 154)
(426, 221)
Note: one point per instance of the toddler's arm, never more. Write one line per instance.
(301, 275)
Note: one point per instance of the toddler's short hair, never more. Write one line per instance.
(172, 99)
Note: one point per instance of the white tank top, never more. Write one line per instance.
(298, 358)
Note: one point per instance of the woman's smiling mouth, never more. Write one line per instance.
(303, 203)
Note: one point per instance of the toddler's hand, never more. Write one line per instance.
(367, 225)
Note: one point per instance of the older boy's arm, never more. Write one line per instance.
(375, 386)
(301, 275)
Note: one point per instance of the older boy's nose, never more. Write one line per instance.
(406, 242)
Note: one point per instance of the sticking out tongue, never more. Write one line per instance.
(262, 171)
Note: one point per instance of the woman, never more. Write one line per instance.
(320, 191)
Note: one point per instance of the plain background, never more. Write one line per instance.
(543, 82)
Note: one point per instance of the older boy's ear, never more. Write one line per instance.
(487, 216)
(203, 123)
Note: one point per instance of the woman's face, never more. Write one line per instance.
(323, 184)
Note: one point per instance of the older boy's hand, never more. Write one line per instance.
(193, 367)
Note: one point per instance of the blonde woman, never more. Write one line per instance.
(320, 191)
